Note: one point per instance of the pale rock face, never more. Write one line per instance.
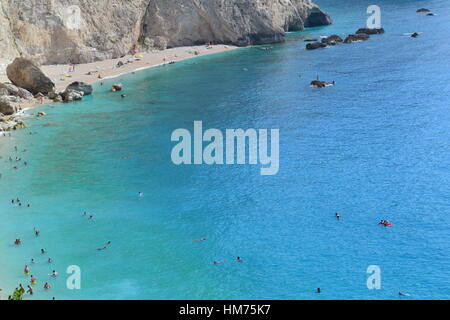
(80, 31)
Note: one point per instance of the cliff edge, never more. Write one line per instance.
(82, 31)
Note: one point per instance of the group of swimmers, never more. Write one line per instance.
(27, 270)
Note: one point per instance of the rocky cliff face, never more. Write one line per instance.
(79, 31)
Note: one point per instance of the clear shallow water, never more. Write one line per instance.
(375, 146)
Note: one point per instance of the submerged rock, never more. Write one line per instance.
(315, 45)
(356, 38)
(26, 74)
(81, 87)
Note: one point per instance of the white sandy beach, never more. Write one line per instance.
(62, 75)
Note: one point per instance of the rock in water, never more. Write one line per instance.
(80, 87)
(356, 38)
(26, 74)
(315, 45)
(70, 95)
(117, 87)
(332, 40)
(317, 18)
(321, 84)
(370, 31)
(423, 10)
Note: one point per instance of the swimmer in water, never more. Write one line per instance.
(33, 280)
(53, 274)
(18, 242)
(338, 216)
(30, 290)
(318, 290)
(218, 262)
(32, 261)
(141, 194)
(49, 260)
(405, 294)
(47, 286)
(238, 259)
(42, 251)
(26, 270)
(200, 240)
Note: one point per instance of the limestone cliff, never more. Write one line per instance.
(78, 31)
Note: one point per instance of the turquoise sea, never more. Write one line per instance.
(374, 146)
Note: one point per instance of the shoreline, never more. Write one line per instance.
(93, 72)
(64, 74)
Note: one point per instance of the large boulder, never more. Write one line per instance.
(4, 92)
(12, 89)
(70, 95)
(80, 87)
(7, 105)
(25, 73)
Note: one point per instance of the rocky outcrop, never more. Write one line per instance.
(12, 97)
(8, 105)
(70, 95)
(315, 45)
(80, 87)
(81, 31)
(356, 38)
(370, 31)
(332, 40)
(26, 74)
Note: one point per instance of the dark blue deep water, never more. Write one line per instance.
(374, 146)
